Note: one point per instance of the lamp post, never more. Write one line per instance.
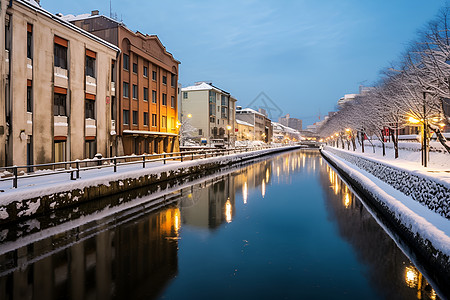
(228, 129)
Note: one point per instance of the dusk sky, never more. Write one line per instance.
(304, 55)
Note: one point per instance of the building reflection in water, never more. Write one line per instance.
(391, 272)
(134, 260)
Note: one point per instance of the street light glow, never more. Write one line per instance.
(413, 120)
(189, 115)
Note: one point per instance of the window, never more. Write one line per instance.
(135, 68)
(145, 118)
(164, 79)
(154, 120)
(164, 122)
(224, 100)
(212, 119)
(135, 117)
(145, 71)
(154, 75)
(90, 148)
(126, 89)
(60, 151)
(90, 66)
(113, 108)
(126, 62)
(145, 94)
(89, 109)
(29, 41)
(185, 95)
(200, 132)
(29, 99)
(173, 80)
(59, 107)
(126, 117)
(154, 100)
(135, 91)
(164, 99)
(172, 102)
(172, 122)
(60, 56)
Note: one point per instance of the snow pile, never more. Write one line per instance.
(427, 190)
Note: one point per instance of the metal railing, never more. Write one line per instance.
(74, 168)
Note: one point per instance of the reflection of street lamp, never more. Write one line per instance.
(228, 129)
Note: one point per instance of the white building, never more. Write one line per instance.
(210, 110)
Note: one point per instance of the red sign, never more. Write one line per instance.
(107, 99)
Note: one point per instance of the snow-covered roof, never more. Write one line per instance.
(249, 110)
(285, 128)
(32, 4)
(244, 123)
(203, 86)
(71, 18)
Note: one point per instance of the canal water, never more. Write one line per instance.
(284, 227)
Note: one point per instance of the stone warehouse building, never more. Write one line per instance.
(147, 86)
(57, 88)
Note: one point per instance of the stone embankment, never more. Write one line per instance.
(27, 203)
(426, 233)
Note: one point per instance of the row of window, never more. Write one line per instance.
(126, 67)
(60, 105)
(135, 114)
(126, 91)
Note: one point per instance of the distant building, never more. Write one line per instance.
(211, 110)
(262, 124)
(347, 98)
(57, 88)
(291, 122)
(147, 87)
(244, 131)
(284, 134)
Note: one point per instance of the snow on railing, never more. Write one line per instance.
(74, 168)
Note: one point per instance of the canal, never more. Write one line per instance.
(284, 227)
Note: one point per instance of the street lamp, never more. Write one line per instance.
(228, 129)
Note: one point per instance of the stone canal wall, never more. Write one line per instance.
(424, 189)
(19, 205)
(430, 245)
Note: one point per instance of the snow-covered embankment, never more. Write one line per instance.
(414, 205)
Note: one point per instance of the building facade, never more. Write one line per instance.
(262, 124)
(57, 88)
(147, 86)
(291, 122)
(211, 111)
(244, 131)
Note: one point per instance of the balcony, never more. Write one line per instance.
(29, 128)
(61, 77)
(91, 128)
(113, 88)
(29, 69)
(61, 126)
(7, 61)
(91, 85)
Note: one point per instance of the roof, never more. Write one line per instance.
(203, 86)
(71, 18)
(32, 4)
(250, 110)
(244, 123)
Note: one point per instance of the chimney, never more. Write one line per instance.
(94, 13)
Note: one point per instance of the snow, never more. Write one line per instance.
(244, 123)
(419, 219)
(60, 182)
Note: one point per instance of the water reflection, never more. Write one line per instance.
(391, 271)
(136, 254)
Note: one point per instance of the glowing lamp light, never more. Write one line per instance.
(348, 129)
(228, 211)
(229, 127)
(411, 277)
(189, 115)
(413, 120)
